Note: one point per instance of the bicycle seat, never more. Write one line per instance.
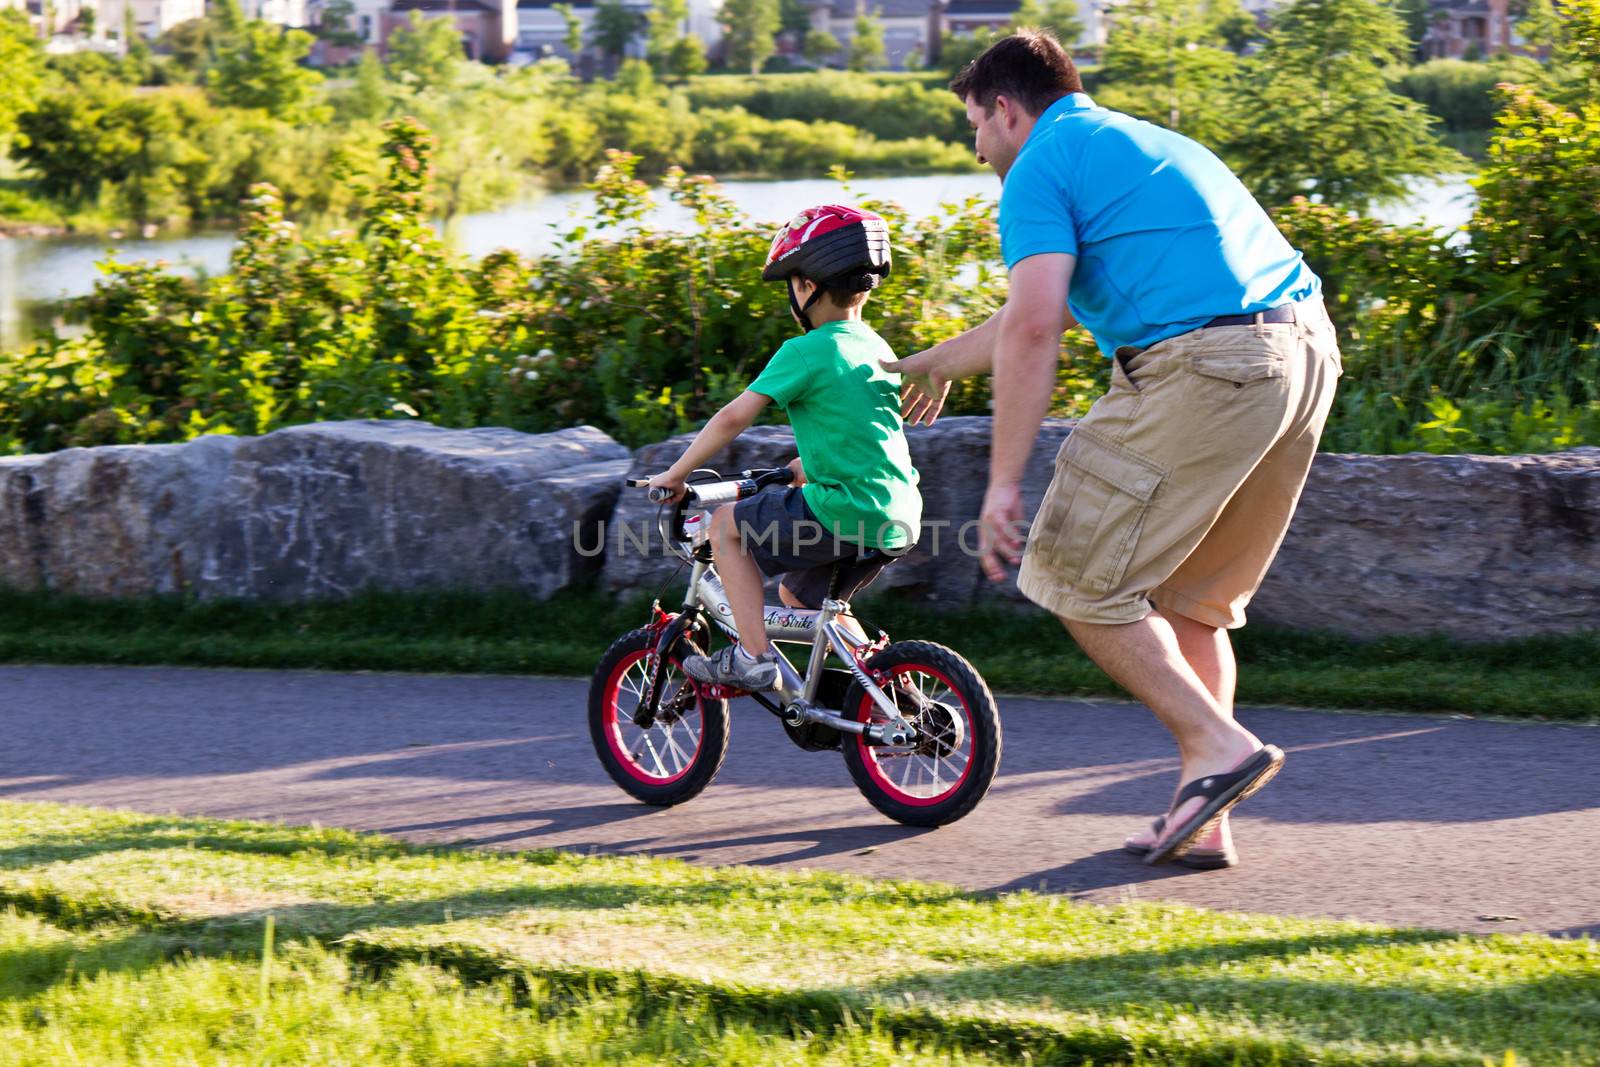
(867, 556)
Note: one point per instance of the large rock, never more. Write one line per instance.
(1480, 547)
(1473, 546)
(326, 509)
(116, 521)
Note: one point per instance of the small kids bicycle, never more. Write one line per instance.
(917, 725)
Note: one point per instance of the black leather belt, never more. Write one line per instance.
(1282, 313)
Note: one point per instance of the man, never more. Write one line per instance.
(1172, 494)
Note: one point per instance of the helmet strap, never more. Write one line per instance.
(799, 309)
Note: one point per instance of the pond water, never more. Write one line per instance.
(35, 273)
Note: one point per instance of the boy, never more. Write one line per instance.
(854, 483)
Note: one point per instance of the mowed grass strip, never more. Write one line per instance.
(820, 951)
(1018, 651)
(118, 995)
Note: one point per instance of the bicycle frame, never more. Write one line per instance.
(820, 628)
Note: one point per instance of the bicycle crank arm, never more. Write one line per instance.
(894, 732)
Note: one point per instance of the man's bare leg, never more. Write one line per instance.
(1148, 660)
(1209, 652)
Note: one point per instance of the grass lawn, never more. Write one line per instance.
(1017, 651)
(139, 939)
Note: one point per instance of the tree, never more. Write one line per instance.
(1535, 232)
(1237, 28)
(1060, 17)
(751, 27)
(261, 69)
(866, 44)
(1416, 14)
(1540, 24)
(688, 57)
(368, 98)
(136, 50)
(794, 17)
(665, 29)
(426, 52)
(818, 45)
(573, 38)
(1164, 61)
(22, 60)
(614, 28)
(335, 27)
(98, 132)
(1323, 119)
(188, 44)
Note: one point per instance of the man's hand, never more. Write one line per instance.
(799, 471)
(1000, 539)
(668, 480)
(923, 388)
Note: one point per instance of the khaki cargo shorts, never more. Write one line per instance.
(1177, 487)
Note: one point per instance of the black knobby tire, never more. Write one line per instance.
(906, 783)
(671, 761)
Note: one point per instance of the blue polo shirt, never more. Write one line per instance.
(1166, 237)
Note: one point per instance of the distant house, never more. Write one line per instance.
(151, 18)
(962, 18)
(541, 31)
(365, 22)
(910, 27)
(488, 27)
(60, 14)
(1469, 29)
(277, 12)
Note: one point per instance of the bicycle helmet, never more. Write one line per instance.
(837, 247)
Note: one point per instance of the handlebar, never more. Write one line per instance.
(749, 483)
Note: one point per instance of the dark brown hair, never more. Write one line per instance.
(1029, 67)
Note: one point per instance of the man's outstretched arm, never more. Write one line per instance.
(929, 373)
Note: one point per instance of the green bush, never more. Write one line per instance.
(641, 333)
(889, 108)
(1461, 94)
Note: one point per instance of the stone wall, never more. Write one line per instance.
(312, 511)
(1478, 547)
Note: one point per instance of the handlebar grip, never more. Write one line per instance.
(660, 495)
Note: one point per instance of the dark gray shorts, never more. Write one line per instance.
(782, 534)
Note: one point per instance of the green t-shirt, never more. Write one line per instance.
(845, 410)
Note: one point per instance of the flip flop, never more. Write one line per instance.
(1199, 859)
(1220, 792)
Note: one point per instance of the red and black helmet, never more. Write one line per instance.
(837, 247)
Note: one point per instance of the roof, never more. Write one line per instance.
(982, 8)
(889, 9)
(445, 6)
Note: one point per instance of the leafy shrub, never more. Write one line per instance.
(1461, 94)
(639, 332)
(885, 108)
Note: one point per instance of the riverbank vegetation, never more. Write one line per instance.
(1480, 341)
(1017, 652)
(161, 940)
(175, 136)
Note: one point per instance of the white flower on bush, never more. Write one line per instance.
(545, 353)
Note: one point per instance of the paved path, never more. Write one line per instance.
(1399, 819)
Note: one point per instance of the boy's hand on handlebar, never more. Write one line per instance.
(923, 386)
(666, 480)
(799, 471)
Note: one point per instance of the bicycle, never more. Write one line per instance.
(916, 724)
